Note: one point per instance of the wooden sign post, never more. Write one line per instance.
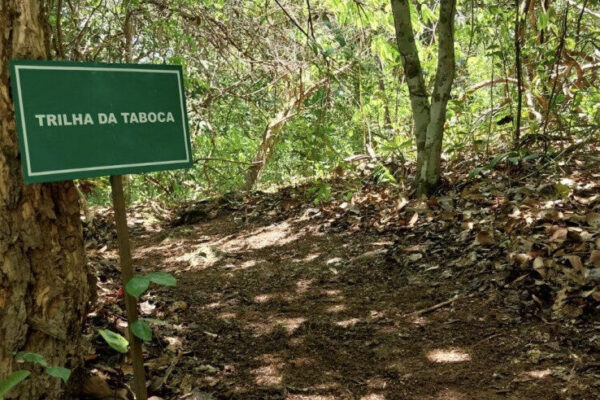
(139, 375)
(80, 120)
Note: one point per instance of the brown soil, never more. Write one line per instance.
(286, 306)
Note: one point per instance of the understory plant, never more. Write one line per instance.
(136, 287)
(19, 376)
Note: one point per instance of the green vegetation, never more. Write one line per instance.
(301, 86)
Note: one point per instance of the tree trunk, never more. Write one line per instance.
(428, 176)
(429, 118)
(128, 33)
(44, 287)
(273, 129)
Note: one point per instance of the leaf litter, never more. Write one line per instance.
(489, 290)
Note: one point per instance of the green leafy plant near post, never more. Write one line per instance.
(19, 376)
(140, 328)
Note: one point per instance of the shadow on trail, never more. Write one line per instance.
(288, 310)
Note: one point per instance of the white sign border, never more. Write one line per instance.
(108, 69)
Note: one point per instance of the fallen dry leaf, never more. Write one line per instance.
(485, 238)
(595, 258)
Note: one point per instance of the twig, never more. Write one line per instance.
(161, 381)
(155, 181)
(440, 305)
(485, 339)
(311, 28)
(293, 20)
(223, 160)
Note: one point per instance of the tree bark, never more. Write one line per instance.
(44, 287)
(429, 175)
(429, 117)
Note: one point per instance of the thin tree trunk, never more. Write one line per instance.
(44, 287)
(387, 119)
(519, 66)
(419, 99)
(128, 33)
(429, 118)
(274, 127)
(429, 175)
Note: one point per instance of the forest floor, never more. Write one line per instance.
(378, 298)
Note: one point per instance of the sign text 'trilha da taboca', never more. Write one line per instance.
(50, 120)
(78, 120)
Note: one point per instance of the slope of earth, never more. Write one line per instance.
(375, 298)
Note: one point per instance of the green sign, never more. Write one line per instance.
(78, 120)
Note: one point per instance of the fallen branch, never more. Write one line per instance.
(583, 9)
(439, 305)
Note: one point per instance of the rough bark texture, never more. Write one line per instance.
(429, 115)
(44, 287)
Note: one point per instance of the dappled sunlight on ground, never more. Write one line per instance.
(291, 324)
(373, 396)
(450, 394)
(348, 323)
(226, 316)
(419, 320)
(300, 314)
(448, 356)
(270, 373)
(336, 308)
(273, 235)
(309, 257)
(539, 374)
(303, 285)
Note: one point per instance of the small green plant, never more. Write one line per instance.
(382, 175)
(13, 380)
(321, 192)
(19, 376)
(140, 328)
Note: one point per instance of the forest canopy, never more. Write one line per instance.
(301, 87)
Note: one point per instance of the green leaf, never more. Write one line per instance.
(428, 15)
(496, 160)
(32, 358)
(141, 329)
(562, 190)
(13, 380)
(59, 372)
(531, 156)
(475, 172)
(542, 20)
(137, 285)
(162, 278)
(114, 340)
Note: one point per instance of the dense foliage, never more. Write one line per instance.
(325, 80)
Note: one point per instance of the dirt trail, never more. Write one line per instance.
(287, 308)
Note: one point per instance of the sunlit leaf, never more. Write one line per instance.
(141, 329)
(114, 340)
(162, 278)
(32, 357)
(13, 380)
(137, 285)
